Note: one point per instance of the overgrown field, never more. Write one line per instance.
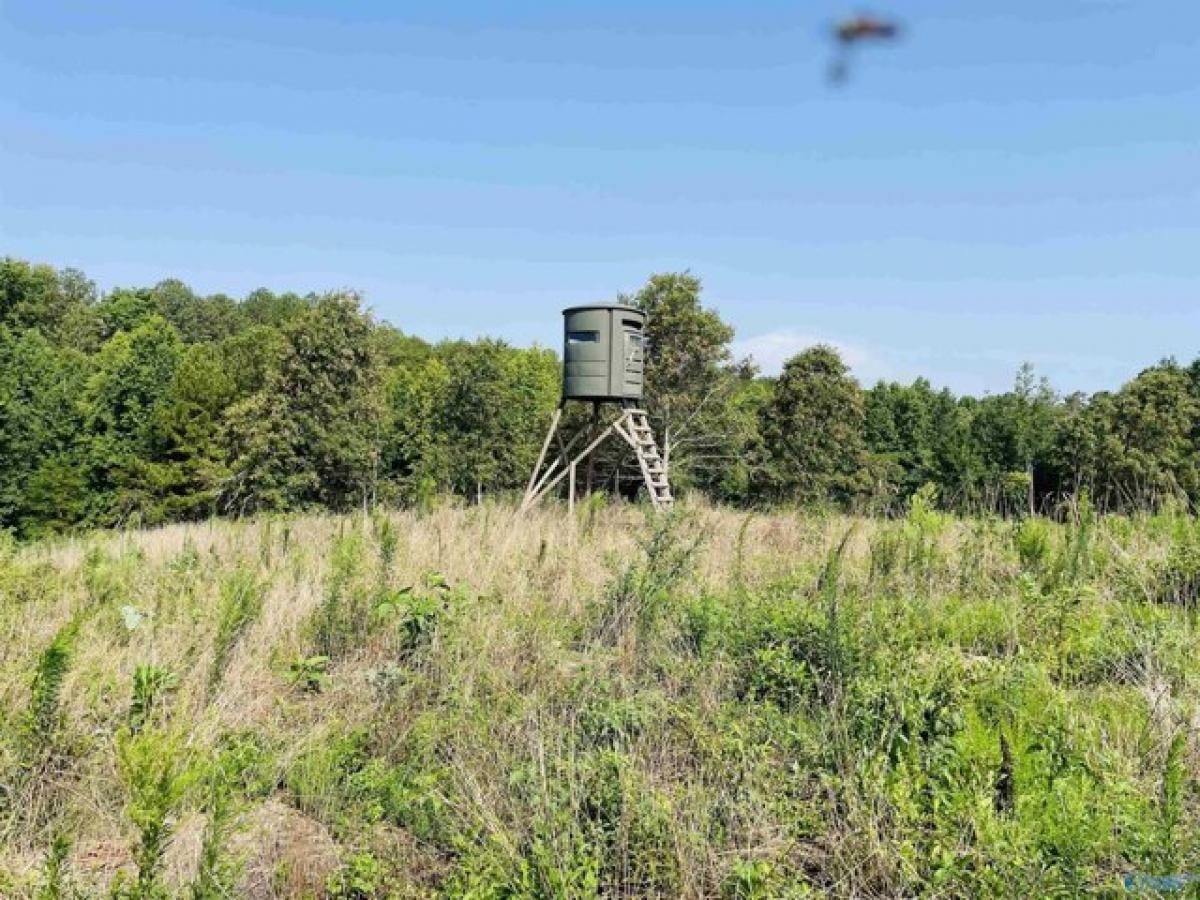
(468, 703)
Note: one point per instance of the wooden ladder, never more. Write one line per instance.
(654, 470)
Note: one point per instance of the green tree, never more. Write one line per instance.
(58, 305)
(125, 309)
(416, 454)
(1148, 440)
(813, 430)
(39, 430)
(250, 356)
(496, 401)
(195, 318)
(311, 434)
(187, 468)
(691, 382)
(264, 307)
(899, 430)
(132, 380)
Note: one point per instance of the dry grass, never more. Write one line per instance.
(510, 741)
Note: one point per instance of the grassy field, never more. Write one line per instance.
(720, 704)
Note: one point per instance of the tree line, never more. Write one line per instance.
(151, 405)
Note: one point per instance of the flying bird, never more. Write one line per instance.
(865, 28)
(850, 33)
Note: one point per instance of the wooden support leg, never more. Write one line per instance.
(591, 460)
(553, 430)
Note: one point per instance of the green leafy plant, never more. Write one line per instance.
(240, 604)
(359, 878)
(416, 612)
(151, 684)
(157, 770)
(55, 883)
(53, 664)
(309, 673)
(217, 872)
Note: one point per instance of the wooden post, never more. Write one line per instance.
(591, 460)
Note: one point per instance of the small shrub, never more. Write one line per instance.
(341, 621)
(240, 605)
(1033, 544)
(360, 878)
(55, 883)
(707, 622)
(924, 527)
(777, 676)
(637, 597)
(151, 684)
(217, 873)
(309, 673)
(157, 773)
(1171, 802)
(388, 541)
(51, 670)
(417, 612)
(886, 548)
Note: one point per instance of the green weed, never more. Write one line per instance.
(240, 604)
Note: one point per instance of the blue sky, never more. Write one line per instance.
(1015, 181)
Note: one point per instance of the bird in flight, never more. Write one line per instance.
(850, 33)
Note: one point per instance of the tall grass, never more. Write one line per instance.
(464, 702)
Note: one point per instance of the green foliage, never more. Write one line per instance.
(124, 398)
(55, 883)
(157, 771)
(217, 873)
(154, 405)
(341, 622)
(358, 879)
(309, 673)
(812, 430)
(53, 663)
(240, 604)
(494, 401)
(151, 685)
(311, 434)
(417, 612)
(40, 487)
(1033, 544)
(702, 404)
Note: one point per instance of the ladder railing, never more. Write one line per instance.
(640, 436)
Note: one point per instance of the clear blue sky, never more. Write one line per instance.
(1017, 180)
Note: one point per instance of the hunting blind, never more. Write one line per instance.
(603, 364)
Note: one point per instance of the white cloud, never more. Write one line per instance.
(773, 348)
